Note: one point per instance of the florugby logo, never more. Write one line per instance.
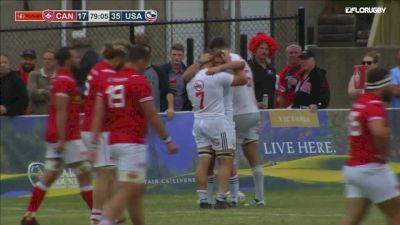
(48, 15)
(198, 85)
(365, 10)
(151, 15)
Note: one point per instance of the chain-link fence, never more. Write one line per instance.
(160, 36)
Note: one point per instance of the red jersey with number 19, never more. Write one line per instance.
(122, 94)
(363, 151)
(98, 71)
(64, 84)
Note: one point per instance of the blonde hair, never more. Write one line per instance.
(117, 48)
(374, 55)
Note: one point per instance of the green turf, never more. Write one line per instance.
(285, 207)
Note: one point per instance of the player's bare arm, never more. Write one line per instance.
(151, 114)
(395, 90)
(61, 119)
(195, 67)
(239, 79)
(234, 65)
(170, 110)
(97, 119)
(381, 134)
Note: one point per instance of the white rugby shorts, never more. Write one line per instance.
(103, 152)
(374, 181)
(73, 152)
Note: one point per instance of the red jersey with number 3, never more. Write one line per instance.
(64, 84)
(122, 94)
(101, 69)
(368, 107)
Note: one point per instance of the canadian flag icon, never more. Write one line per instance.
(48, 15)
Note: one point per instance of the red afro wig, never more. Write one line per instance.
(260, 38)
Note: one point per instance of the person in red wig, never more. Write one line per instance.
(263, 48)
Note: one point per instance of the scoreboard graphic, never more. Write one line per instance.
(136, 16)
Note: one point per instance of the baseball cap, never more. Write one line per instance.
(29, 52)
(306, 54)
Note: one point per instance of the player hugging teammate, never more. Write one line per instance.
(241, 116)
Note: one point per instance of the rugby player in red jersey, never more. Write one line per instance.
(367, 176)
(126, 101)
(114, 57)
(64, 144)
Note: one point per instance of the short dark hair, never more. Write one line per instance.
(218, 43)
(144, 40)
(138, 52)
(376, 75)
(178, 47)
(63, 54)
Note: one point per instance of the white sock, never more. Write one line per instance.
(97, 214)
(202, 196)
(234, 188)
(221, 197)
(210, 188)
(258, 177)
(106, 222)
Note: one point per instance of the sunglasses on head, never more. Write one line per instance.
(366, 62)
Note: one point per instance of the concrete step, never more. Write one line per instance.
(339, 19)
(334, 29)
(345, 37)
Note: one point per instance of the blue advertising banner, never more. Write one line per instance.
(298, 149)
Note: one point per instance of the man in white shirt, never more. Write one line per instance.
(247, 121)
(212, 130)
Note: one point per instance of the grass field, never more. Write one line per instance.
(312, 206)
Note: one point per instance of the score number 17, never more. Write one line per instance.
(82, 16)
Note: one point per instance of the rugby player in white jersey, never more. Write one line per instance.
(212, 130)
(246, 118)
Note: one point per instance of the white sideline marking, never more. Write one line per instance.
(236, 212)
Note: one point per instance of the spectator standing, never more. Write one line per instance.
(288, 77)
(263, 48)
(395, 75)
(370, 61)
(13, 94)
(28, 64)
(312, 89)
(39, 84)
(162, 94)
(174, 71)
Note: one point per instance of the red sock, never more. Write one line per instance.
(87, 196)
(38, 193)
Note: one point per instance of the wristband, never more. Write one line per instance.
(167, 140)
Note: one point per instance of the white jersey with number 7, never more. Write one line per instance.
(207, 93)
